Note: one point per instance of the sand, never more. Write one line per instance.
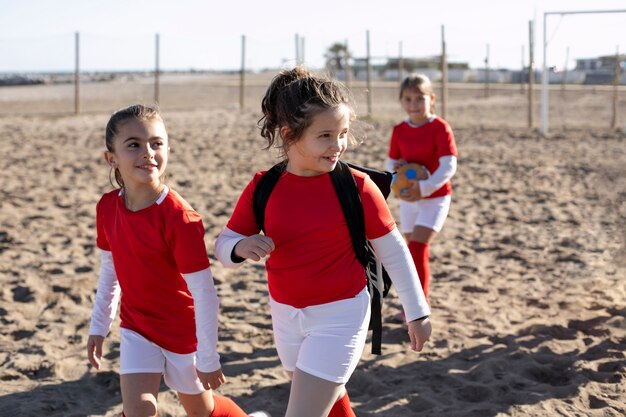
(527, 292)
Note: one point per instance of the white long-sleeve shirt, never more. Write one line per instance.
(443, 174)
(206, 304)
(391, 250)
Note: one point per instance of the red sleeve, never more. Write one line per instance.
(186, 239)
(394, 149)
(444, 141)
(378, 218)
(101, 239)
(242, 220)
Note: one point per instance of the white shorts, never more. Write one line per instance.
(325, 340)
(139, 355)
(429, 212)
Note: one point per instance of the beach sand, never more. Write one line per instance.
(528, 291)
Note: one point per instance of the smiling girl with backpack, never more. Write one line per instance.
(319, 302)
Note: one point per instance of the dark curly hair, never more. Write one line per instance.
(293, 98)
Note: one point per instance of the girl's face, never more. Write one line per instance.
(417, 105)
(321, 145)
(140, 152)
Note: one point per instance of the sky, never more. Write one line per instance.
(39, 35)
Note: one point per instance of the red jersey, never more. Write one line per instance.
(424, 145)
(313, 261)
(151, 250)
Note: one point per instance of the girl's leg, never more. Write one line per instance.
(311, 396)
(197, 405)
(139, 394)
(342, 408)
(210, 404)
(326, 339)
(419, 246)
(431, 215)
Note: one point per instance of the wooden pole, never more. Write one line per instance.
(544, 80)
(347, 66)
(156, 71)
(400, 63)
(616, 80)
(297, 42)
(77, 73)
(531, 73)
(564, 78)
(242, 74)
(444, 74)
(369, 75)
(521, 81)
(487, 72)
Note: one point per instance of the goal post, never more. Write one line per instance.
(545, 81)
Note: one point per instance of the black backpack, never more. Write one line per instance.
(378, 281)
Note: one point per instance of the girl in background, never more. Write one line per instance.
(426, 139)
(152, 250)
(319, 302)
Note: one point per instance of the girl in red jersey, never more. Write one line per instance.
(319, 303)
(153, 255)
(428, 140)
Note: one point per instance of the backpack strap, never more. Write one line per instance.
(382, 179)
(352, 206)
(263, 190)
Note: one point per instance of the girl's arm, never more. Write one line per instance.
(224, 246)
(232, 248)
(104, 309)
(392, 165)
(443, 174)
(206, 304)
(107, 296)
(395, 256)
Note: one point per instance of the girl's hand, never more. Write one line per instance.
(94, 349)
(254, 247)
(419, 333)
(211, 380)
(412, 194)
(398, 164)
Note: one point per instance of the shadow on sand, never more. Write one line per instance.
(482, 381)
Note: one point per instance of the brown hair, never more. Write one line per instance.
(137, 112)
(293, 98)
(419, 82)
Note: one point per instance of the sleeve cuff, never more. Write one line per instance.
(224, 247)
(207, 363)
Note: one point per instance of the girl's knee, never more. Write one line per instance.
(198, 405)
(144, 408)
(422, 234)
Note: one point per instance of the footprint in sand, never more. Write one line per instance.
(23, 294)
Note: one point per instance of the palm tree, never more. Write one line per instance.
(337, 57)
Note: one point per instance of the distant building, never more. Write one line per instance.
(601, 70)
(387, 69)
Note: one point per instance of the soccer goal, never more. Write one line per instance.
(544, 85)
